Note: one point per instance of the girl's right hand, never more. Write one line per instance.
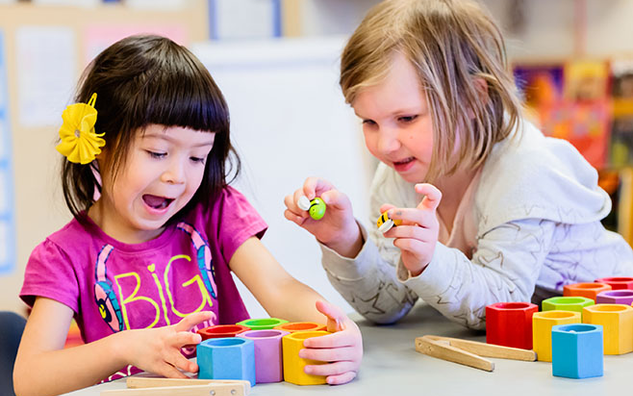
(338, 229)
(158, 350)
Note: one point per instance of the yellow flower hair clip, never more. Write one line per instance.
(79, 142)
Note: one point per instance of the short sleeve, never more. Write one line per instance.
(237, 221)
(49, 274)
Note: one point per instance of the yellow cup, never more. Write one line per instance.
(293, 364)
(542, 323)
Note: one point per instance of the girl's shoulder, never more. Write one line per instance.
(74, 233)
(228, 221)
(529, 175)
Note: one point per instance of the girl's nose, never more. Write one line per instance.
(174, 174)
(388, 140)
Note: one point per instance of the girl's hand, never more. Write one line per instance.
(158, 350)
(337, 229)
(417, 235)
(343, 350)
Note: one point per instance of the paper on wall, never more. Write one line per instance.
(46, 73)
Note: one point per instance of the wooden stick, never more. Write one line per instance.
(442, 351)
(152, 382)
(488, 350)
(190, 390)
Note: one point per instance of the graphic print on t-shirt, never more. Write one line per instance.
(144, 292)
(205, 264)
(104, 292)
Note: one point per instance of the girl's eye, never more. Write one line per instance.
(369, 122)
(156, 155)
(407, 119)
(197, 160)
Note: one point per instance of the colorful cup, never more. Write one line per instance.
(221, 331)
(577, 351)
(542, 323)
(510, 324)
(227, 358)
(620, 296)
(262, 324)
(589, 290)
(574, 304)
(293, 364)
(617, 323)
(292, 327)
(617, 282)
(268, 354)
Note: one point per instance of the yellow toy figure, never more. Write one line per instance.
(385, 223)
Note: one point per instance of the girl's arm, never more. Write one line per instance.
(43, 367)
(504, 268)
(281, 295)
(284, 297)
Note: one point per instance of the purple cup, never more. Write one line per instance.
(624, 297)
(268, 354)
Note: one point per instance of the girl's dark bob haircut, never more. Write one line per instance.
(144, 80)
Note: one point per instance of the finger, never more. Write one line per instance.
(296, 198)
(410, 245)
(316, 187)
(191, 320)
(169, 371)
(309, 187)
(330, 369)
(423, 231)
(329, 355)
(432, 196)
(289, 201)
(298, 220)
(177, 360)
(333, 313)
(334, 340)
(183, 338)
(335, 199)
(411, 216)
(341, 378)
(385, 207)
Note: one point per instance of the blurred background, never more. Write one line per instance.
(276, 62)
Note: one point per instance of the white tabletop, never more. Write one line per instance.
(391, 366)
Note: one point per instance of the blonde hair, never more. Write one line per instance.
(456, 49)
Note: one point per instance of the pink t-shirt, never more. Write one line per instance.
(113, 286)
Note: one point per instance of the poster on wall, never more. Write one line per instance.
(7, 226)
(244, 19)
(46, 64)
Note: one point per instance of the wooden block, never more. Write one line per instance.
(138, 381)
(185, 390)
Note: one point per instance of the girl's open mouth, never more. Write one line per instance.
(156, 202)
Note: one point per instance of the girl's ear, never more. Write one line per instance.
(481, 87)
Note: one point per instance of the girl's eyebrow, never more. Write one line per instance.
(171, 140)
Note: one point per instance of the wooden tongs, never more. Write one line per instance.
(144, 386)
(469, 353)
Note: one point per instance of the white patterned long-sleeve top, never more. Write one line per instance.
(531, 226)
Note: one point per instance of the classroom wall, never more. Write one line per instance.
(547, 29)
(39, 206)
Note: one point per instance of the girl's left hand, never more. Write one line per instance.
(343, 349)
(418, 234)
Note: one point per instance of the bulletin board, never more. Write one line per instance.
(7, 229)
